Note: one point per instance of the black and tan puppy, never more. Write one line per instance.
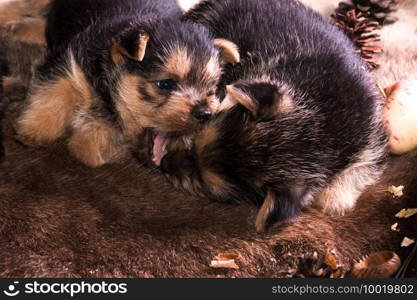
(116, 69)
(300, 123)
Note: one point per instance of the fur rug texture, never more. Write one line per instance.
(59, 218)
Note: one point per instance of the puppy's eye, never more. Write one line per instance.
(210, 93)
(166, 85)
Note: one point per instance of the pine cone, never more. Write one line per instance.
(363, 33)
(377, 10)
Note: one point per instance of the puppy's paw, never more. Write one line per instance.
(335, 211)
(335, 205)
(96, 143)
(48, 112)
(29, 141)
(35, 134)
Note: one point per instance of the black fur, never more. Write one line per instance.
(288, 49)
(68, 18)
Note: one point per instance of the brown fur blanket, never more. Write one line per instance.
(59, 218)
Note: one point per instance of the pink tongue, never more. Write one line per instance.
(159, 145)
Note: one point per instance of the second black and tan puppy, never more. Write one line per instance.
(117, 68)
(300, 123)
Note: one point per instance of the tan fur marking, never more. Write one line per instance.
(11, 10)
(216, 183)
(153, 92)
(27, 30)
(212, 70)
(176, 145)
(50, 109)
(175, 115)
(229, 52)
(263, 214)
(283, 104)
(95, 143)
(213, 104)
(227, 103)
(178, 63)
(117, 51)
(238, 96)
(14, 11)
(80, 84)
(212, 67)
(205, 137)
(143, 43)
(131, 109)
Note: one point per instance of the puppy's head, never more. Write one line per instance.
(224, 160)
(169, 71)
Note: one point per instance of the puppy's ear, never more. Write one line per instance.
(229, 51)
(263, 100)
(132, 46)
(235, 95)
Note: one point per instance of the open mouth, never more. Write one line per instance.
(158, 143)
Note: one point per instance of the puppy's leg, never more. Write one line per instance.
(11, 10)
(48, 113)
(95, 142)
(341, 194)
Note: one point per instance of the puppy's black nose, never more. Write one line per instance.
(201, 113)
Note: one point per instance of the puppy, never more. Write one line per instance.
(116, 71)
(300, 122)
